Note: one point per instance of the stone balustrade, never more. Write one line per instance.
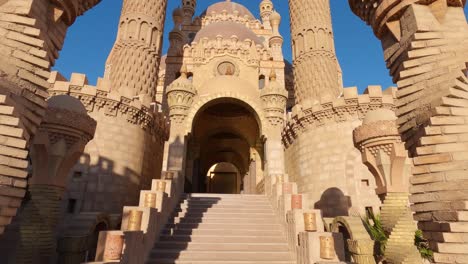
(306, 232)
(142, 224)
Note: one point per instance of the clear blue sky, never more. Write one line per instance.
(91, 38)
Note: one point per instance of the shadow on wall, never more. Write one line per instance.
(333, 203)
(96, 185)
(176, 154)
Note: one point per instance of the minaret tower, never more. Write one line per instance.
(189, 7)
(266, 9)
(132, 66)
(317, 73)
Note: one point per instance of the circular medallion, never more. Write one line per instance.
(226, 68)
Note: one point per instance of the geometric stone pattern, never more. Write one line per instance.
(29, 44)
(317, 72)
(425, 47)
(134, 61)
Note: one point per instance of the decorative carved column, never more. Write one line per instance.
(57, 146)
(32, 33)
(426, 49)
(385, 156)
(317, 72)
(180, 96)
(274, 98)
(133, 64)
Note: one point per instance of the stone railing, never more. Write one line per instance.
(305, 229)
(142, 224)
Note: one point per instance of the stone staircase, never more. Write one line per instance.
(223, 228)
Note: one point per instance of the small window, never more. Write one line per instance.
(365, 183)
(261, 82)
(77, 175)
(71, 206)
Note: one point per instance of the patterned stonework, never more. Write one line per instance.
(317, 73)
(133, 64)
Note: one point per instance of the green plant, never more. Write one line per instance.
(374, 226)
(423, 246)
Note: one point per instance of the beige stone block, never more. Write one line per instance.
(452, 248)
(432, 159)
(148, 221)
(160, 199)
(450, 258)
(310, 246)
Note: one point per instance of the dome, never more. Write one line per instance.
(230, 7)
(227, 29)
(379, 115)
(68, 103)
(275, 16)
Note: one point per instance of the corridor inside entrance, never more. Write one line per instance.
(225, 150)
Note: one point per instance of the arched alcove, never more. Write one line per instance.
(224, 130)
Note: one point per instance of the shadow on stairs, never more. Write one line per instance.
(222, 228)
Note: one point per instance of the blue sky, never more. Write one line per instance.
(90, 40)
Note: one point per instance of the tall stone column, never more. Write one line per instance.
(180, 96)
(59, 143)
(426, 49)
(133, 63)
(317, 72)
(32, 33)
(274, 98)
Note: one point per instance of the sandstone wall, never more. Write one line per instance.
(126, 153)
(322, 158)
(325, 164)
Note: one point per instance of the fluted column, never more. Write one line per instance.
(316, 69)
(133, 64)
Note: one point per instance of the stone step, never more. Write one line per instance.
(215, 220)
(233, 226)
(227, 199)
(210, 255)
(224, 205)
(193, 246)
(222, 210)
(171, 261)
(234, 196)
(256, 216)
(220, 201)
(222, 239)
(223, 232)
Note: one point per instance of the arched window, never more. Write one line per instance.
(261, 81)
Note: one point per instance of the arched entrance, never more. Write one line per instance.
(223, 177)
(225, 136)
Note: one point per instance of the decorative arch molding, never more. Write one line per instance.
(359, 245)
(251, 103)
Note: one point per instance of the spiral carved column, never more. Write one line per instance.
(385, 156)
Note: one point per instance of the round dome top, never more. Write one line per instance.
(275, 16)
(227, 29)
(230, 7)
(68, 103)
(178, 13)
(379, 115)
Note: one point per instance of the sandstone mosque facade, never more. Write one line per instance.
(221, 151)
